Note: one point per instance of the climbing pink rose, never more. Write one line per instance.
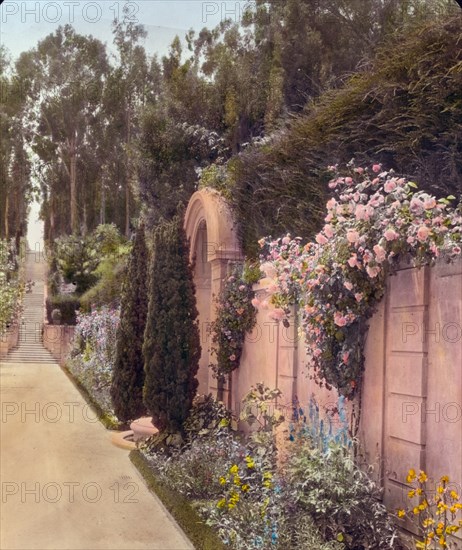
(232, 357)
(353, 261)
(389, 186)
(376, 168)
(373, 271)
(320, 239)
(391, 235)
(352, 236)
(429, 203)
(348, 285)
(380, 253)
(358, 296)
(348, 181)
(328, 231)
(359, 170)
(422, 233)
(339, 319)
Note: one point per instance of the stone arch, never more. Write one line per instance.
(214, 244)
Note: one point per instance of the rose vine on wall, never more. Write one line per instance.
(374, 221)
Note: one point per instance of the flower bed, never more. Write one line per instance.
(11, 285)
(92, 359)
(316, 498)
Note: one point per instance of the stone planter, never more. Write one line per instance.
(142, 429)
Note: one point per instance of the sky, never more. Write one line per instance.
(24, 23)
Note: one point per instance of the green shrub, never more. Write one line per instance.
(128, 376)
(67, 304)
(171, 344)
(342, 499)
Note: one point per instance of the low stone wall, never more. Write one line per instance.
(58, 339)
(9, 340)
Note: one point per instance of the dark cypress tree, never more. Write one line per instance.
(171, 345)
(128, 377)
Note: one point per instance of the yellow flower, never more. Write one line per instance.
(445, 479)
(221, 503)
(416, 511)
(267, 483)
(440, 489)
(454, 495)
(442, 541)
(250, 462)
(267, 475)
(427, 522)
(410, 476)
(418, 491)
(222, 480)
(245, 488)
(411, 493)
(401, 513)
(423, 477)
(234, 469)
(237, 480)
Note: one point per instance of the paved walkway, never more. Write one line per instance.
(64, 486)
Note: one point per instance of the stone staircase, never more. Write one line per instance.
(30, 348)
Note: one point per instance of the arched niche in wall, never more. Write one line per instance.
(214, 245)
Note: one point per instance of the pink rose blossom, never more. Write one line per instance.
(353, 261)
(429, 203)
(380, 253)
(391, 235)
(422, 233)
(456, 250)
(376, 168)
(320, 239)
(328, 231)
(317, 352)
(348, 181)
(339, 319)
(372, 271)
(352, 236)
(232, 357)
(286, 240)
(348, 285)
(358, 296)
(241, 287)
(359, 170)
(389, 186)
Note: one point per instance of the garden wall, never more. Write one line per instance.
(411, 410)
(9, 340)
(58, 339)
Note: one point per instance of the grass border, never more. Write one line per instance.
(200, 534)
(104, 417)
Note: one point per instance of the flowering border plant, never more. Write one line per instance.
(93, 357)
(437, 513)
(374, 220)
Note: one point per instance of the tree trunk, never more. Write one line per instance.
(7, 208)
(73, 177)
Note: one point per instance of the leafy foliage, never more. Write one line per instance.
(67, 305)
(343, 501)
(171, 344)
